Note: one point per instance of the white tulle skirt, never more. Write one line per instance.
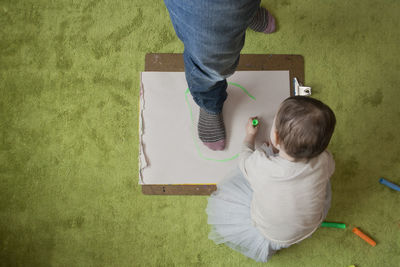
(228, 212)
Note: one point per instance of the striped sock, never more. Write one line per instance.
(211, 130)
(263, 21)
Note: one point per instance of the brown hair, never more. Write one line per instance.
(304, 126)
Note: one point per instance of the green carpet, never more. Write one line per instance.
(69, 84)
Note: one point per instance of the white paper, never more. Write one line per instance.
(171, 152)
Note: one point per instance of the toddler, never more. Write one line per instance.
(281, 192)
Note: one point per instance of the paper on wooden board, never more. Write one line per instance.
(171, 152)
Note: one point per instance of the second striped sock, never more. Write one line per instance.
(211, 130)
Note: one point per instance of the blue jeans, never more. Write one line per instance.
(213, 33)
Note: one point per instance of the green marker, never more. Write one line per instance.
(333, 225)
(255, 122)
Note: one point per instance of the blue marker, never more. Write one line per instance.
(389, 184)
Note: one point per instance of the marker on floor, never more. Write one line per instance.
(389, 184)
(364, 236)
(333, 225)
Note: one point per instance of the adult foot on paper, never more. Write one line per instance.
(263, 21)
(211, 130)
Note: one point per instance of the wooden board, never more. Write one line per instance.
(250, 62)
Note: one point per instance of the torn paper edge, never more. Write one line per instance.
(142, 158)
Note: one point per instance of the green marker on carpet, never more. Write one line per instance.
(255, 122)
(333, 225)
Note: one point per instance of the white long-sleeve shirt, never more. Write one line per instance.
(288, 197)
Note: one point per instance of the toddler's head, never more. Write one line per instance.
(303, 127)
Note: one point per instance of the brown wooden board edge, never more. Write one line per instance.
(247, 62)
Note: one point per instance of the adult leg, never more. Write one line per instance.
(213, 34)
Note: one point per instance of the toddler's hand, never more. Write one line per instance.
(250, 129)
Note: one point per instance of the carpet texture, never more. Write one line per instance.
(69, 85)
